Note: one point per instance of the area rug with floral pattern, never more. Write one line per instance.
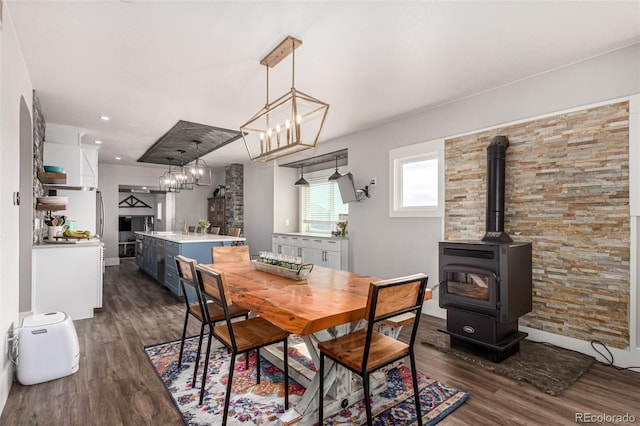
(262, 404)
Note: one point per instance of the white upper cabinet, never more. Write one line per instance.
(63, 147)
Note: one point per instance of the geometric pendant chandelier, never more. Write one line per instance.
(200, 172)
(291, 123)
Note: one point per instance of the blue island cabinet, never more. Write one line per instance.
(156, 252)
(200, 251)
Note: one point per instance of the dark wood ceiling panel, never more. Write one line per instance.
(181, 137)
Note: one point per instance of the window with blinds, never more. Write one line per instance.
(322, 204)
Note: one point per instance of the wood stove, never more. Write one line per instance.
(486, 285)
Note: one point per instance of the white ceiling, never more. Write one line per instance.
(148, 64)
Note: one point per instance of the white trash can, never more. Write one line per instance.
(47, 348)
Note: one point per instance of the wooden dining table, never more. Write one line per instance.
(327, 304)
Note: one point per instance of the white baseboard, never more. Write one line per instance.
(431, 308)
(6, 380)
(621, 357)
(112, 261)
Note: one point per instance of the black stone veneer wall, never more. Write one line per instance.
(234, 182)
(39, 126)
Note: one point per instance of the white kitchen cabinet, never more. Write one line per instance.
(284, 244)
(89, 166)
(309, 255)
(329, 252)
(67, 278)
(80, 163)
(290, 250)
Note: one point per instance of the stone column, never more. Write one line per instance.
(39, 126)
(234, 182)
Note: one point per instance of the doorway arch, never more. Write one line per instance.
(26, 208)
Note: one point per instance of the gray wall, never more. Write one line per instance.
(15, 84)
(25, 220)
(386, 247)
(189, 205)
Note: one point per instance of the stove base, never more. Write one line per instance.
(492, 352)
(493, 355)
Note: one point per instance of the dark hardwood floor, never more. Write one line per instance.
(117, 386)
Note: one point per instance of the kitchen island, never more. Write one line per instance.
(156, 251)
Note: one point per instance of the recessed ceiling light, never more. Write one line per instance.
(118, 158)
(104, 117)
(98, 142)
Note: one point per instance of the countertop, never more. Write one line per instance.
(191, 237)
(311, 235)
(94, 242)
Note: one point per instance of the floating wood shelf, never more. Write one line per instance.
(50, 207)
(342, 155)
(49, 178)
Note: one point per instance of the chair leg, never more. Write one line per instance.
(205, 368)
(321, 390)
(258, 364)
(184, 335)
(416, 391)
(228, 394)
(286, 376)
(367, 397)
(195, 369)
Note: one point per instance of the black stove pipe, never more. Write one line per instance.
(496, 158)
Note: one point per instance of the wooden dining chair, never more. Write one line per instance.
(214, 230)
(202, 310)
(234, 232)
(366, 351)
(230, 254)
(239, 336)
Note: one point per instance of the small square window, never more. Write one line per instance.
(416, 174)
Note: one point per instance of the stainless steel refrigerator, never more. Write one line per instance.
(85, 210)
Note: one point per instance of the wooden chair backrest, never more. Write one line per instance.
(230, 254)
(234, 232)
(214, 285)
(187, 275)
(395, 296)
(186, 269)
(389, 298)
(214, 230)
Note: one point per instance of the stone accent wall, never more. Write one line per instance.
(234, 182)
(567, 191)
(39, 126)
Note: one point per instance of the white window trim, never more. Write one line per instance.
(317, 176)
(397, 156)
